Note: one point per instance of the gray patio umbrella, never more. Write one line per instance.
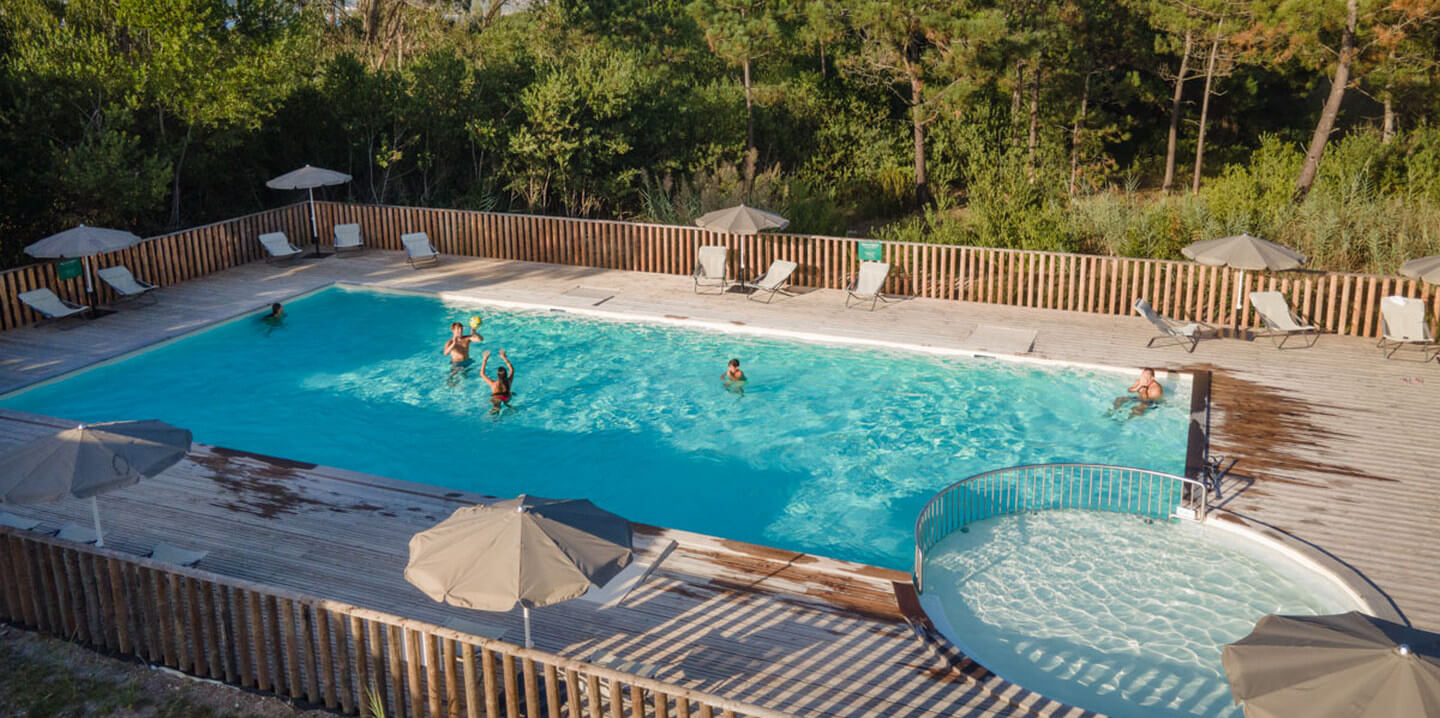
(89, 460)
(308, 178)
(1350, 665)
(82, 241)
(1245, 253)
(526, 550)
(1424, 268)
(741, 219)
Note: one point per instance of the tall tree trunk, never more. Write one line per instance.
(1075, 137)
(824, 73)
(175, 180)
(1205, 109)
(1175, 115)
(1015, 95)
(749, 109)
(1034, 141)
(1389, 126)
(917, 119)
(1332, 103)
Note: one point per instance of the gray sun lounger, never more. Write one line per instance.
(710, 268)
(279, 248)
(1402, 324)
(1280, 322)
(773, 281)
(1182, 333)
(419, 252)
(124, 283)
(47, 305)
(348, 239)
(868, 283)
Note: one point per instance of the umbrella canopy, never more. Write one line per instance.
(1426, 268)
(1244, 252)
(741, 220)
(1349, 664)
(81, 241)
(308, 177)
(89, 460)
(525, 550)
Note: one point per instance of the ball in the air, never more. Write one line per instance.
(474, 322)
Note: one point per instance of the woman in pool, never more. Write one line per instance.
(499, 386)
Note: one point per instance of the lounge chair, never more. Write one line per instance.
(1280, 321)
(279, 247)
(419, 252)
(165, 553)
(18, 522)
(347, 238)
(775, 279)
(124, 283)
(618, 588)
(1181, 332)
(77, 533)
(710, 268)
(867, 284)
(50, 306)
(1402, 323)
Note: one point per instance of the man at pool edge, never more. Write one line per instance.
(500, 385)
(1146, 392)
(734, 379)
(458, 347)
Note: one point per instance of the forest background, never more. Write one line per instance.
(1128, 127)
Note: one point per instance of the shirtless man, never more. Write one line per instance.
(458, 347)
(734, 379)
(1146, 392)
(499, 386)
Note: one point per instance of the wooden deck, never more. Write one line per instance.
(1333, 446)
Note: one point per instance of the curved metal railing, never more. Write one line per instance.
(1039, 487)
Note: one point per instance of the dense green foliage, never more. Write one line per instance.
(1040, 124)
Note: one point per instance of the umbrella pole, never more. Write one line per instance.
(526, 609)
(89, 286)
(314, 228)
(1239, 302)
(95, 511)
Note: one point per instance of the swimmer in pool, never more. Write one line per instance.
(500, 393)
(1147, 392)
(733, 379)
(458, 347)
(274, 319)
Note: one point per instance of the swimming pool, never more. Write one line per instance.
(831, 450)
(1112, 612)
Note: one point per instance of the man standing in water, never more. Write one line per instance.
(1146, 392)
(734, 379)
(500, 385)
(274, 319)
(458, 347)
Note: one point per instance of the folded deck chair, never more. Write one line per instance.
(18, 522)
(710, 268)
(1180, 332)
(77, 533)
(618, 588)
(773, 281)
(419, 252)
(165, 553)
(279, 247)
(867, 284)
(347, 238)
(1280, 322)
(124, 283)
(1402, 323)
(50, 306)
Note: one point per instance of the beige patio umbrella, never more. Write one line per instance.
(527, 550)
(308, 178)
(741, 219)
(82, 241)
(1424, 268)
(89, 460)
(1349, 665)
(1245, 253)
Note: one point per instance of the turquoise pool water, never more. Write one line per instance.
(832, 450)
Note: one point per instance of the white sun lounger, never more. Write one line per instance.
(18, 522)
(615, 591)
(347, 238)
(165, 553)
(278, 247)
(1280, 321)
(124, 283)
(50, 306)
(1402, 323)
(1181, 332)
(868, 282)
(710, 268)
(419, 252)
(774, 280)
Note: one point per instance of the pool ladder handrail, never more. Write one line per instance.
(1038, 487)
